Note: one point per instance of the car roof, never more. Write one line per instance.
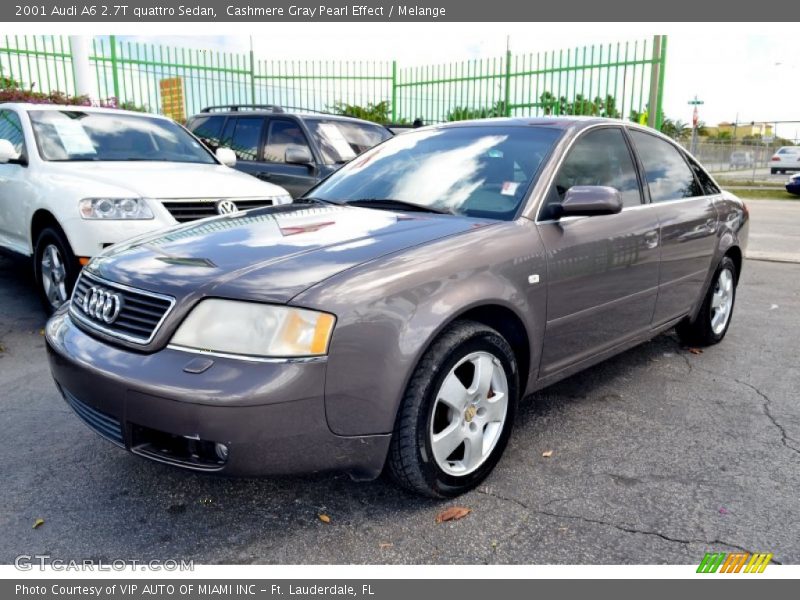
(255, 110)
(560, 122)
(77, 107)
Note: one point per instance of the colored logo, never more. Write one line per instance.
(734, 562)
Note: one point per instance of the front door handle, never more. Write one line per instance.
(264, 175)
(651, 239)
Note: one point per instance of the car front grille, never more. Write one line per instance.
(190, 210)
(118, 310)
(103, 424)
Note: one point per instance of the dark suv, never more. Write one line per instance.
(292, 149)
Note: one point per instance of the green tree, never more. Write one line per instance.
(378, 113)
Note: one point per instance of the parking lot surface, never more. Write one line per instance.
(658, 456)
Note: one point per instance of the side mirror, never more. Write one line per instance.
(298, 155)
(7, 152)
(590, 200)
(226, 156)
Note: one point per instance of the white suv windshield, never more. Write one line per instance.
(75, 135)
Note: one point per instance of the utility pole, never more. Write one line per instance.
(695, 120)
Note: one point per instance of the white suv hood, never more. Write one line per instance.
(169, 179)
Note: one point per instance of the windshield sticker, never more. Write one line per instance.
(73, 137)
(509, 188)
(334, 135)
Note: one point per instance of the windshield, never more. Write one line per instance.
(478, 171)
(74, 135)
(340, 141)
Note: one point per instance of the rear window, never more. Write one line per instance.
(341, 141)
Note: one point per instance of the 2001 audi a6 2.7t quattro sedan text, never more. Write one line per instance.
(395, 315)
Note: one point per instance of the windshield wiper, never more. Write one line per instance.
(312, 199)
(392, 204)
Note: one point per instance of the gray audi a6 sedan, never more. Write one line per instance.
(394, 317)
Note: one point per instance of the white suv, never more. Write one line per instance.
(75, 179)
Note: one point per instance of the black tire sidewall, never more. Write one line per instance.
(53, 236)
(447, 485)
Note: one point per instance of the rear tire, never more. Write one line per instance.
(55, 268)
(456, 416)
(773, 171)
(715, 314)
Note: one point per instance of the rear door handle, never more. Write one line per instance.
(264, 175)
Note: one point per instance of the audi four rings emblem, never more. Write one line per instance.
(102, 305)
(226, 207)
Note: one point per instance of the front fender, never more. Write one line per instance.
(390, 310)
(733, 225)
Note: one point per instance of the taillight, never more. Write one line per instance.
(775, 159)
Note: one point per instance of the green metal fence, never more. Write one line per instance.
(619, 80)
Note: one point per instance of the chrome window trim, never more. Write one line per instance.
(73, 311)
(249, 357)
(538, 208)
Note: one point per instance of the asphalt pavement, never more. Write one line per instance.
(658, 456)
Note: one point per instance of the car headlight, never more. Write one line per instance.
(254, 329)
(282, 199)
(115, 208)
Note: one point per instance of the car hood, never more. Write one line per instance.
(270, 254)
(158, 179)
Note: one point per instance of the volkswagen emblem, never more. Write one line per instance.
(226, 207)
(101, 305)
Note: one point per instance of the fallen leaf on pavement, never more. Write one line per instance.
(38, 523)
(385, 545)
(695, 350)
(454, 513)
(41, 332)
(324, 518)
(547, 453)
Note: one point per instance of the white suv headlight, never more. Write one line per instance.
(282, 199)
(253, 329)
(115, 208)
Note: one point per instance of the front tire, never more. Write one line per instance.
(714, 318)
(456, 416)
(56, 268)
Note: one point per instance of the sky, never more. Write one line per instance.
(746, 71)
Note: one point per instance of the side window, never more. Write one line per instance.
(11, 129)
(668, 175)
(209, 130)
(600, 157)
(282, 133)
(245, 136)
(709, 187)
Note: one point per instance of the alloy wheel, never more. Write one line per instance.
(54, 276)
(722, 301)
(469, 413)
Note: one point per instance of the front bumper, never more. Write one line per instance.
(269, 415)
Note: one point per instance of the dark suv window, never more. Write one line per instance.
(600, 157)
(209, 130)
(668, 174)
(282, 134)
(11, 129)
(243, 135)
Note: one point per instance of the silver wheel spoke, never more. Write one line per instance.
(495, 409)
(445, 442)
(482, 381)
(453, 393)
(473, 449)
